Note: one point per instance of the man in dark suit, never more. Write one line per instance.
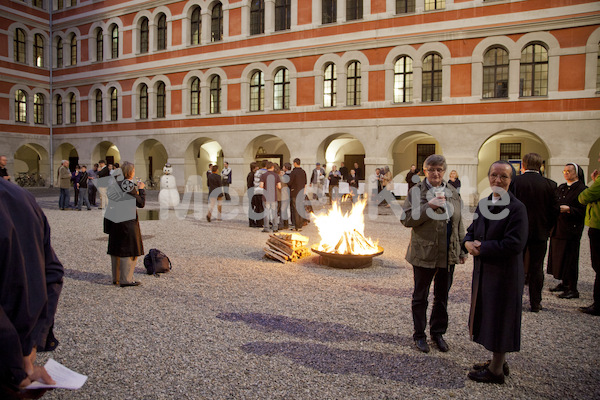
(539, 196)
(297, 185)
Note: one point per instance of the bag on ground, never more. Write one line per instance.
(156, 262)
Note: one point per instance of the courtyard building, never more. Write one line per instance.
(377, 82)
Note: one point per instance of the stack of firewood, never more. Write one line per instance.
(284, 247)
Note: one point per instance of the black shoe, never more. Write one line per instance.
(479, 366)
(134, 283)
(485, 376)
(422, 345)
(558, 288)
(208, 218)
(536, 308)
(440, 343)
(569, 294)
(592, 310)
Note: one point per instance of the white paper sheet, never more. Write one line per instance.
(63, 376)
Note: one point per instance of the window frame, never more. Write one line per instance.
(161, 32)
(20, 106)
(216, 23)
(144, 35)
(407, 74)
(330, 78)
(328, 12)
(353, 84)
(195, 96)
(435, 75)
(196, 26)
(38, 108)
(72, 109)
(215, 94)
(281, 85)
(283, 15)
(534, 73)
(496, 71)
(143, 99)
(114, 42)
(434, 5)
(405, 6)
(73, 47)
(19, 43)
(354, 10)
(59, 110)
(161, 100)
(99, 106)
(38, 50)
(99, 45)
(257, 17)
(59, 53)
(257, 91)
(114, 103)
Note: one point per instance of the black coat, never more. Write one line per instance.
(539, 196)
(498, 278)
(297, 180)
(124, 236)
(31, 279)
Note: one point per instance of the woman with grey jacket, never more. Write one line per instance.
(433, 211)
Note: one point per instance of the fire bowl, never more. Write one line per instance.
(345, 261)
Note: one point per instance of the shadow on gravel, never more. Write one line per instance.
(93, 277)
(439, 374)
(457, 294)
(306, 329)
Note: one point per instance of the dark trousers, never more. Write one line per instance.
(442, 281)
(76, 200)
(533, 262)
(92, 193)
(64, 198)
(594, 235)
(297, 220)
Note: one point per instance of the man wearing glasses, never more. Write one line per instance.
(433, 211)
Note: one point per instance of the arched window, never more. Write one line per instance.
(73, 49)
(403, 80)
(257, 17)
(257, 91)
(20, 106)
(38, 108)
(329, 11)
(38, 50)
(431, 5)
(143, 101)
(19, 45)
(534, 71)
(59, 4)
(215, 94)
(114, 44)
(195, 96)
(114, 104)
(161, 100)
(216, 23)
(495, 73)
(329, 86)
(162, 32)
(281, 90)
(59, 53)
(38, 3)
(99, 45)
(59, 110)
(354, 9)
(72, 108)
(405, 6)
(283, 15)
(196, 25)
(144, 33)
(353, 84)
(432, 78)
(99, 106)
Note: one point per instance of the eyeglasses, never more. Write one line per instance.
(501, 177)
(435, 170)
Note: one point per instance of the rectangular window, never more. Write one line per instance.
(424, 151)
(510, 151)
(431, 5)
(329, 11)
(405, 6)
(354, 9)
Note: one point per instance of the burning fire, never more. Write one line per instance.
(344, 233)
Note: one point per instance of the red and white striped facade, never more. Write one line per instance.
(108, 114)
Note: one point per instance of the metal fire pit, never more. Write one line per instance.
(346, 261)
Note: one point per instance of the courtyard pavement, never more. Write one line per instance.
(228, 324)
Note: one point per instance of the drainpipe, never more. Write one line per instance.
(51, 63)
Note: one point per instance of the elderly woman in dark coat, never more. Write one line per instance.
(496, 239)
(565, 240)
(122, 226)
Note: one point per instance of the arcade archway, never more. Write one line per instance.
(32, 159)
(66, 151)
(342, 148)
(106, 151)
(199, 154)
(150, 158)
(267, 147)
(411, 148)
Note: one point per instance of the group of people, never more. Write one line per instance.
(86, 184)
(508, 240)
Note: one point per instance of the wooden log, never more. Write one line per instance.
(285, 242)
(280, 246)
(279, 257)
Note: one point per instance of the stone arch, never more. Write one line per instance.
(591, 61)
(319, 71)
(489, 151)
(269, 147)
(108, 151)
(245, 84)
(404, 151)
(32, 158)
(65, 151)
(199, 153)
(150, 158)
(341, 147)
(345, 61)
(594, 157)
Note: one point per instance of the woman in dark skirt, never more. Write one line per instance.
(122, 225)
(563, 258)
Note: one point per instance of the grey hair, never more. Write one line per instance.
(435, 160)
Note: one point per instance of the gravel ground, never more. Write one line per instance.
(226, 323)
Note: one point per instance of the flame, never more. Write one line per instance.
(344, 233)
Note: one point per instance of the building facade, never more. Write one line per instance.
(378, 82)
